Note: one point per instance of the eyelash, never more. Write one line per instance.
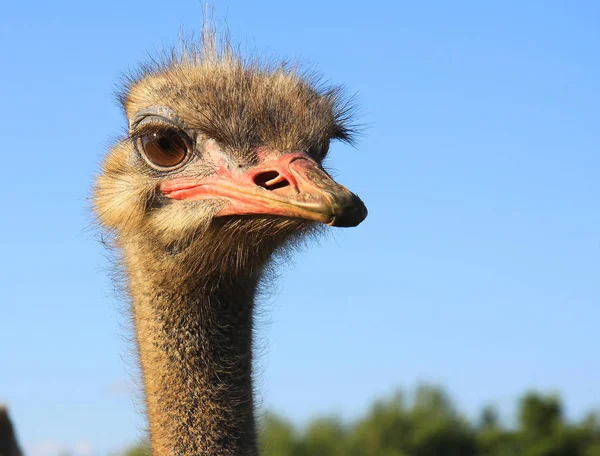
(148, 128)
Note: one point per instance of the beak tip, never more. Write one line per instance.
(350, 215)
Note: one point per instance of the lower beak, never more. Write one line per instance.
(290, 185)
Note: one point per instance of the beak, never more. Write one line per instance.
(290, 185)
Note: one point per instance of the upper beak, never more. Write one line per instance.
(291, 185)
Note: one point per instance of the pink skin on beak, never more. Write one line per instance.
(290, 185)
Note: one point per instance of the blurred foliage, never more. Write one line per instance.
(429, 425)
(143, 449)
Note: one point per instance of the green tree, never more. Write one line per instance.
(540, 416)
(543, 429)
(383, 431)
(324, 437)
(277, 437)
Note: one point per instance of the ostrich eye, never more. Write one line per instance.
(165, 149)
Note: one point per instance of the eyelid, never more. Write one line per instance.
(152, 123)
(150, 127)
(155, 124)
(163, 113)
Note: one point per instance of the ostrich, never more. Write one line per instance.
(8, 440)
(220, 170)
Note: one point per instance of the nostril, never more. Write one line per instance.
(271, 180)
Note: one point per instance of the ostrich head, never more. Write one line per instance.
(227, 152)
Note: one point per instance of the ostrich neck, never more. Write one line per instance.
(195, 344)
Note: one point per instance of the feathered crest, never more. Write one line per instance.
(243, 100)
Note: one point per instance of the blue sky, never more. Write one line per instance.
(477, 267)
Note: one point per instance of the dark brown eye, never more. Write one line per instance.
(165, 149)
